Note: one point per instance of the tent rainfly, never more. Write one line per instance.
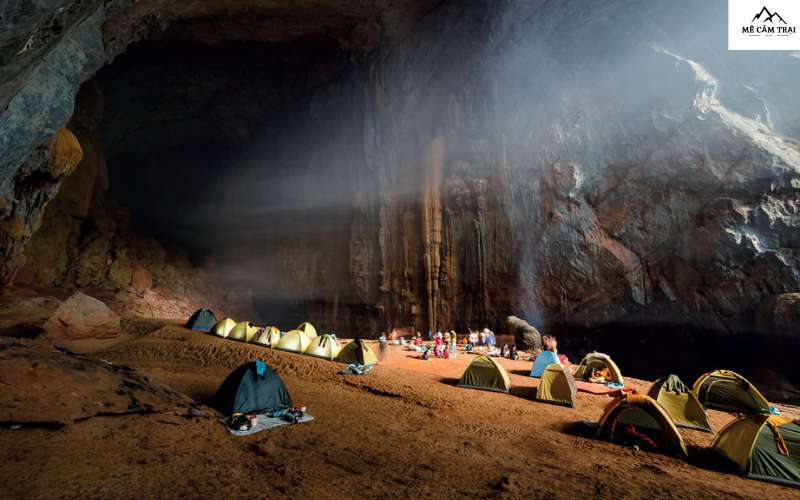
(253, 387)
(268, 336)
(764, 447)
(542, 361)
(640, 419)
(357, 352)
(487, 374)
(557, 386)
(308, 329)
(324, 346)
(293, 341)
(223, 327)
(680, 403)
(244, 331)
(728, 391)
(202, 320)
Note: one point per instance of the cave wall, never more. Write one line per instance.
(541, 159)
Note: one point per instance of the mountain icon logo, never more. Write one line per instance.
(767, 16)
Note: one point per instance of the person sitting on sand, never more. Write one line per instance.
(447, 337)
(549, 343)
(513, 354)
(504, 351)
(418, 339)
(482, 337)
(426, 356)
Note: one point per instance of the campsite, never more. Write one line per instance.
(432, 249)
(405, 427)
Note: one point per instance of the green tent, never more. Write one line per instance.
(357, 352)
(251, 388)
(202, 320)
(680, 403)
(487, 374)
(557, 386)
(728, 391)
(765, 447)
(631, 416)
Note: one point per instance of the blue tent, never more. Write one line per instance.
(543, 360)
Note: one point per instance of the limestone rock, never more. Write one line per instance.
(82, 316)
(526, 336)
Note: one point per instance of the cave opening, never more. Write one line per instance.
(209, 150)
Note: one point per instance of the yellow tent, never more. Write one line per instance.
(597, 361)
(680, 403)
(487, 374)
(324, 346)
(629, 416)
(269, 336)
(293, 341)
(357, 352)
(244, 331)
(223, 327)
(557, 386)
(308, 329)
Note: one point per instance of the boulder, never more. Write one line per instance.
(780, 315)
(82, 316)
(526, 336)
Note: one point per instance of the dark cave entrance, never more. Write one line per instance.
(211, 148)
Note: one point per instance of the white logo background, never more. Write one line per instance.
(784, 36)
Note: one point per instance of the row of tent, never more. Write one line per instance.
(304, 339)
(760, 444)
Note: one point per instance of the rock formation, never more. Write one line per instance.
(458, 161)
(526, 336)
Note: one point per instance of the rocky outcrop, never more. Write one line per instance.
(81, 316)
(526, 336)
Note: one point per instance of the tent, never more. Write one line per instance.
(254, 387)
(635, 418)
(680, 403)
(487, 374)
(597, 360)
(268, 336)
(324, 346)
(728, 391)
(557, 386)
(357, 352)
(765, 447)
(223, 327)
(244, 331)
(542, 361)
(202, 320)
(308, 329)
(293, 341)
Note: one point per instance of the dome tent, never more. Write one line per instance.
(357, 352)
(244, 331)
(680, 403)
(487, 374)
(557, 386)
(728, 391)
(598, 361)
(202, 320)
(253, 387)
(293, 341)
(324, 346)
(542, 361)
(638, 415)
(764, 447)
(308, 329)
(223, 327)
(268, 336)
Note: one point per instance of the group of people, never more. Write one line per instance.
(445, 344)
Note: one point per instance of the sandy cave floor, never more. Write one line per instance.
(402, 430)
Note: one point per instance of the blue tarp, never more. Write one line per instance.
(543, 360)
